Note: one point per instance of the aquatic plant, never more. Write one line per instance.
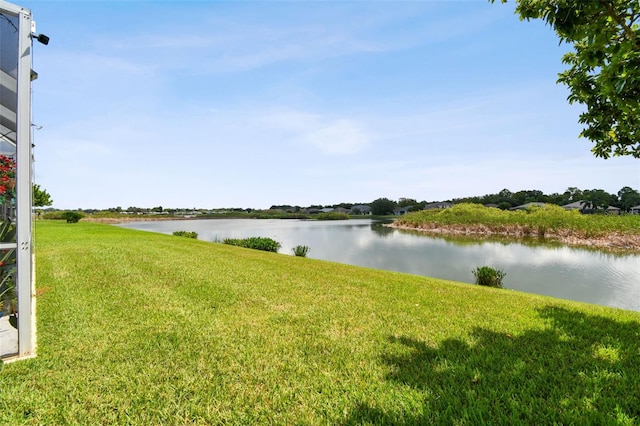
(186, 234)
(488, 276)
(257, 243)
(300, 251)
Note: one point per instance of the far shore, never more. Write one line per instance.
(115, 220)
(612, 241)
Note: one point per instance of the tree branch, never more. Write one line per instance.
(626, 29)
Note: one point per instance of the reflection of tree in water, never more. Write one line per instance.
(582, 369)
(480, 239)
(381, 230)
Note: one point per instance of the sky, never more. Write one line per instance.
(248, 104)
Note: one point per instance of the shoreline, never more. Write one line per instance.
(613, 241)
(116, 220)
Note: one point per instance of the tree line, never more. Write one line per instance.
(624, 199)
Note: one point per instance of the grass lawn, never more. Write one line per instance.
(143, 328)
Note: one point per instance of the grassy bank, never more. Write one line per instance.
(570, 227)
(143, 328)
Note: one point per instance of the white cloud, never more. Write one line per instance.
(338, 137)
(302, 103)
(335, 136)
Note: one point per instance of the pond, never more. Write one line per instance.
(569, 273)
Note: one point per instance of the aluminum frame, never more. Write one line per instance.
(25, 284)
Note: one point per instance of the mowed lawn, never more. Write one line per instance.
(143, 328)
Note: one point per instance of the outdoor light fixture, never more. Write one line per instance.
(41, 38)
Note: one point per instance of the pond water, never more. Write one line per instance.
(559, 271)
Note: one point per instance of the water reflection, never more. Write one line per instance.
(382, 230)
(586, 275)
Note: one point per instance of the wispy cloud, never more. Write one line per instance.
(338, 137)
(220, 103)
(216, 43)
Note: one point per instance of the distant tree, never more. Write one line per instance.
(41, 197)
(72, 217)
(505, 193)
(418, 206)
(557, 199)
(282, 207)
(614, 201)
(604, 66)
(573, 194)
(628, 197)
(383, 206)
(528, 196)
(596, 199)
(406, 202)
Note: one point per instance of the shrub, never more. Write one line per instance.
(332, 216)
(488, 276)
(257, 243)
(186, 234)
(300, 251)
(72, 217)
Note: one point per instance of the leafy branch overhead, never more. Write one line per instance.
(604, 66)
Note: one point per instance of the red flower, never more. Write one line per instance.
(7, 179)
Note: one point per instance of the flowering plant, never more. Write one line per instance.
(8, 299)
(7, 179)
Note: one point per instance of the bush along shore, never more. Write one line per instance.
(549, 222)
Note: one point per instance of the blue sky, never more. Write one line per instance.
(248, 104)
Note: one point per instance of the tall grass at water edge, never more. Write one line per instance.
(536, 220)
(143, 328)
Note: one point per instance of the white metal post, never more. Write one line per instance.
(19, 20)
(25, 285)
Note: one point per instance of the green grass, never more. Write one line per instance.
(143, 328)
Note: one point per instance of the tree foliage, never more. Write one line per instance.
(629, 197)
(626, 198)
(604, 66)
(383, 206)
(407, 202)
(72, 217)
(41, 197)
(598, 199)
